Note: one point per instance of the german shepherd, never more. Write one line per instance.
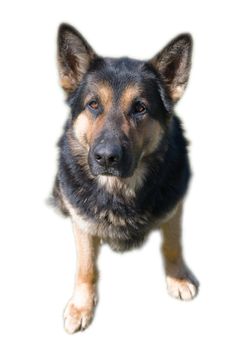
(123, 162)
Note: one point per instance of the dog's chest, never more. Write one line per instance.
(121, 233)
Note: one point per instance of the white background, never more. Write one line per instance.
(36, 249)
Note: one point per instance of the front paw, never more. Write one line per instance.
(183, 286)
(76, 318)
(79, 310)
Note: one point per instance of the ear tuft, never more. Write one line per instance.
(74, 56)
(174, 63)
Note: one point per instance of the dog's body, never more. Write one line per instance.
(123, 165)
(119, 211)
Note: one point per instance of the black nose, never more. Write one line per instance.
(107, 155)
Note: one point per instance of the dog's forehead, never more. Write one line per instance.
(110, 93)
(117, 82)
(117, 79)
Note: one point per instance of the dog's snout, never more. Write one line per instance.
(108, 155)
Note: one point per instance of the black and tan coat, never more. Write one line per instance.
(123, 163)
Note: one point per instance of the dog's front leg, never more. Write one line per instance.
(79, 311)
(181, 283)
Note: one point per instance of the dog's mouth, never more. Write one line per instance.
(114, 172)
(110, 173)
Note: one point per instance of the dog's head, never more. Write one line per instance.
(120, 108)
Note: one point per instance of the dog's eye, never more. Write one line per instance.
(93, 105)
(139, 108)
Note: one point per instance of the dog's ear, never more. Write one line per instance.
(173, 63)
(74, 57)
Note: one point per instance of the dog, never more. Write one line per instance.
(123, 167)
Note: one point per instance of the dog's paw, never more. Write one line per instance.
(76, 318)
(185, 288)
(181, 282)
(79, 310)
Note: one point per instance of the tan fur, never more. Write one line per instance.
(67, 83)
(172, 249)
(79, 311)
(180, 281)
(129, 94)
(177, 92)
(81, 126)
(105, 94)
(86, 253)
(151, 135)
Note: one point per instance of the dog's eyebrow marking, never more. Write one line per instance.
(128, 95)
(106, 95)
(104, 92)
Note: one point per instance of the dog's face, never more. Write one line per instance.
(121, 108)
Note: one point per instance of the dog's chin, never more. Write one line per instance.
(98, 171)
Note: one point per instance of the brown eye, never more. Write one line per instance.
(93, 105)
(139, 108)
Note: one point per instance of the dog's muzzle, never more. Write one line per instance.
(110, 158)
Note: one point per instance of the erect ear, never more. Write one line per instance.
(74, 57)
(173, 63)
